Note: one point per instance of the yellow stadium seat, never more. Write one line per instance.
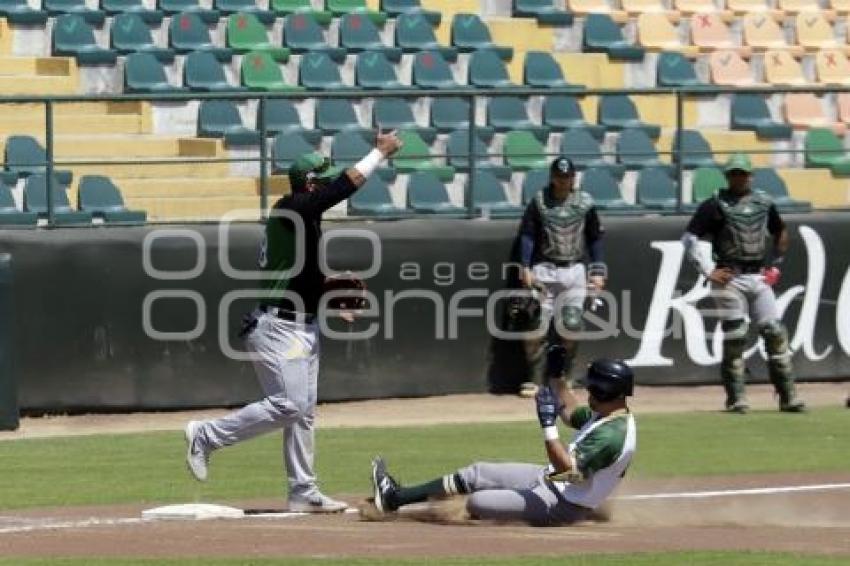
(762, 31)
(797, 6)
(700, 7)
(814, 31)
(584, 7)
(832, 67)
(804, 110)
(643, 6)
(844, 107)
(728, 68)
(656, 31)
(748, 6)
(780, 68)
(709, 32)
(841, 6)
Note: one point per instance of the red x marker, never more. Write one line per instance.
(830, 60)
(704, 21)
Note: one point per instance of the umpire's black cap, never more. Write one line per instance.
(563, 166)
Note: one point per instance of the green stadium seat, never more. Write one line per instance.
(397, 8)
(635, 150)
(427, 195)
(302, 34)
(769, 181)
(617, 112)
(115, 7)
(349, 147)
(489, 198)
(228, 7)
(19, 13)
(544, 11)
(337, 115)
(35, 200)
(750, 112)
(458, 155)
(317, 71)
(73, 37)
(601, 185)
(372, 71)
(486, 70)
(584, 150)
(76, 7)
(144, 73)
(173, 7)
(704, 185)
(415, 155)
(562, 112)
(9, 213)
(342, 7)
(188, 32)
(450, 113)
(825, 149)
(245, 33)
(289, 7)
(656, 189)
(396, 114)
(372, 199)
(99, 196)
(431, 71)
(674, 70)
(695, 150)
(260, 71)
(357, 33)
(130, 34)
(286, 149)
(523, 151)
(220, 119)
(508, 113)
(469, 34)
(282, 118)
(415, 33)
(542, 71)
(23, 156)
(534, 181)
(603, 35)
(202, 71)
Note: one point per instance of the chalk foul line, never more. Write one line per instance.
(735, 492)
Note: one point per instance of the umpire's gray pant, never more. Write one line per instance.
(286, 360)
(517, 493)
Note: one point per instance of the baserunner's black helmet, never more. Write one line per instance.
(608, 380)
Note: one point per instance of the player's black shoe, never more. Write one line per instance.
(384, 487)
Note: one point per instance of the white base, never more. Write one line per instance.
(193, 512)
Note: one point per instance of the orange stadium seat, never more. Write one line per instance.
(710, 32)
(844, 107)
(728, 68)
(832, 67)
(814, 31)
(656, 31)
(804, 110)
(762, 31)
(780, 68)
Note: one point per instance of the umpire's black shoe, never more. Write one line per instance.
(384, 487)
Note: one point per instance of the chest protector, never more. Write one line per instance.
(743, 237)
(563, 226)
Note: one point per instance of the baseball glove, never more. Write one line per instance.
(349, 292)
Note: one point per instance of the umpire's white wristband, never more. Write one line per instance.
(550, 433)
(368, 164)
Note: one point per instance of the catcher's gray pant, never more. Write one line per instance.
(517, 492)
(286, 359)
(745, 295)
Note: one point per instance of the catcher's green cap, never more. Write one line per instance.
(312, 165)
(738, 162)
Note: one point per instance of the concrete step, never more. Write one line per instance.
(38, 85)
(153, 170)
(39, 66)
(76, 108)
(192, 187)
(182, 208)
(33, 125)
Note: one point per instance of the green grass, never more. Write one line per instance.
(648, 559)
(149, 468)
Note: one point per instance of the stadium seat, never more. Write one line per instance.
(245, 33)
(431, 71)
(115, 7)
(508, 113)
(414, 33)
(605, 191)
(73, 37)
(618, 112)
(130, 34)
(202, 71)
(690, 7)
(373, 71)
(144, 73)
(635, 150)
(586, 153)
(729, 69)
(562, 112)
(427, 195)
(750, 112)
(99, 197)
(450, 113)
(769, 181)
(674, 70)
(804, 110)
(415, 155)
(593, 7)
(373, 199)
(357, 33)
(341, 7)
(349, 147)
(289, 7)
(19, 12)
(286, 149)
(762, 31)
(815, 32)
(841, 7)
(23, 156)
(9, 213)
(396, 114)
(396, 8)
(489, 198)
(742, 7)
(696, 151)
(800, 6)
(843, 100)
(470, 34)
(710, 32)
(281, 117)
(533, 182)
(523, 151)
(303, 34)
(544, 11)
(637, 7)
(458, 155)
(220, 119)
(542, 71)
(318, 71)
(228, 7)
(657, 32)
(35, 200)
(260, 71)
(656, 189)
(187, 32)
(706, 182)
(336, 115)
(487, 70)
(825, 149)
(780, 68)
(602, 35)
(173, 7)
(832, 67)
(76, 7)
